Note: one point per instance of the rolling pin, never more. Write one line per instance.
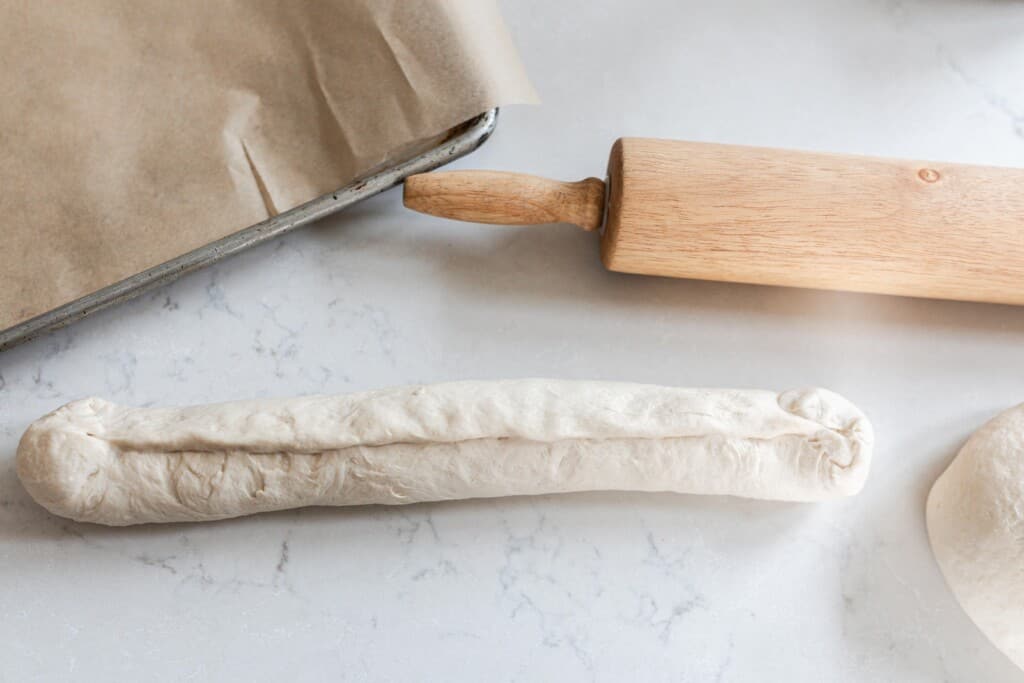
(771, 217)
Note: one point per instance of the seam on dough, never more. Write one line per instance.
(123, 449)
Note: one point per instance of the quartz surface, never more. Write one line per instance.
(603, 586)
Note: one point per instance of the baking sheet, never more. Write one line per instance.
(427, 156)
(134, 132)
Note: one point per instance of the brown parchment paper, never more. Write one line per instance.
(132, 131)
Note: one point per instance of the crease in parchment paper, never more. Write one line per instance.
(268, 201)
(138, 130)
(332, 124)
(249, 184)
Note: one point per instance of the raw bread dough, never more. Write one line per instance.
(976, 526)
(94, 461)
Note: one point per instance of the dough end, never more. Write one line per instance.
(846, 440)
(61, 464)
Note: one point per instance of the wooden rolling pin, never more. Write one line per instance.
(773, 217)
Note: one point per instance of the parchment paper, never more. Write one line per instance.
(132, 131)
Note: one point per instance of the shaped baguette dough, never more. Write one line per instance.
(975, 517)
(94, 461)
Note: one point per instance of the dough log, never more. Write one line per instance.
(95, 461)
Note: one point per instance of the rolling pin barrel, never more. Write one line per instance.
(773, 217)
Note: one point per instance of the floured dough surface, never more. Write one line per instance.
(976, 527)
(95, 461)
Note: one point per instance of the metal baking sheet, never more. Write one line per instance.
(456, 143)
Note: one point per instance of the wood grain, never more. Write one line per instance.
(829, 221)
(506, 198)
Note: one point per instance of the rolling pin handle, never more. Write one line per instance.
(503, 198)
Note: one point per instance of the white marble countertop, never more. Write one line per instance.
(606, 587)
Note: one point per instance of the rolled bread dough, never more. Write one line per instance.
(975, 516)
(95, 461)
